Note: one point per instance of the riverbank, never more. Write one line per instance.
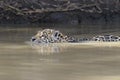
(59, 11)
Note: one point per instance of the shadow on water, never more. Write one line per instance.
(21, 61)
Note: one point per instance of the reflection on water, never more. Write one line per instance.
(21, 61)
(46, 49)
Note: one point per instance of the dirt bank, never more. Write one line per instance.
(60, 11)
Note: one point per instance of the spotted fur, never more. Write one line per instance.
(50, 36)
(55, 36)
(106, 38)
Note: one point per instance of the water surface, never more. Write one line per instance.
(22, 61)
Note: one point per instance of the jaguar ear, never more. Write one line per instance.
(66, 37)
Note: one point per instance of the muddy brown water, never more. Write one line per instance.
(22, 61)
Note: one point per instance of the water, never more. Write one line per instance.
(22, 61)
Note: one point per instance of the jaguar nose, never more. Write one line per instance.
(33, 39)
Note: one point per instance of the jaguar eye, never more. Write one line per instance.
(33, 39)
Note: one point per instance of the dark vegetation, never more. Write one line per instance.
(60, 11)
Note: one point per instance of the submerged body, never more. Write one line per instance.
(106, 38)
(55, 36)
